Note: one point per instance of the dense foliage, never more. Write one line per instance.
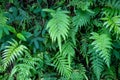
(59, 39)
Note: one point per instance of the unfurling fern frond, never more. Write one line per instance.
(62, 65)
(68, 51)
(81, 19)
(13, 51)
(102, 46)
(58, 26)
(113, 23)
(112, 8)
(97, 65)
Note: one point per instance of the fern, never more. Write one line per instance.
(97, 65)
(109, 74)
(62, 65)
(79, 73)
(82, 18)
(4, 28)
(13, 51)
(112, 8)
(60, 60)
(84, 47)
(26, 68)
(33, 61)
(68, 51)
(83, 5)
(58, 26)
(102, 45)
(23, 71)
(113, 23)
(72, 34)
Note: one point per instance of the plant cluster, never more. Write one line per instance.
(59, 39)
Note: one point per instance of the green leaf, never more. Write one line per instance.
(21, 37)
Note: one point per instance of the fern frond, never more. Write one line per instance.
(112, 8)
(23, 71)
(62, 65)
(33, 61)
(58, 26)
(113, 23)
(102, 46)
(82, 18)
(79, 73)
(4, 28)
(84, 47)
(109, 74)
(83, 5)
(97, 65)
(68, 51)
(13, 51)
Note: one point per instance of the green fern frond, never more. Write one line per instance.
(81, 4)
(84, 47)
(26, 68)
(102, 46)
(13, 51)
(76, 75)
(112, 8)
(109, 74)
(33, 61)
(62, 65)
(97, 65)
(113, 23)
(23, 71)
(82, 18)
(79, 73)
(72, 33)
(58, 26)
(68, 51)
